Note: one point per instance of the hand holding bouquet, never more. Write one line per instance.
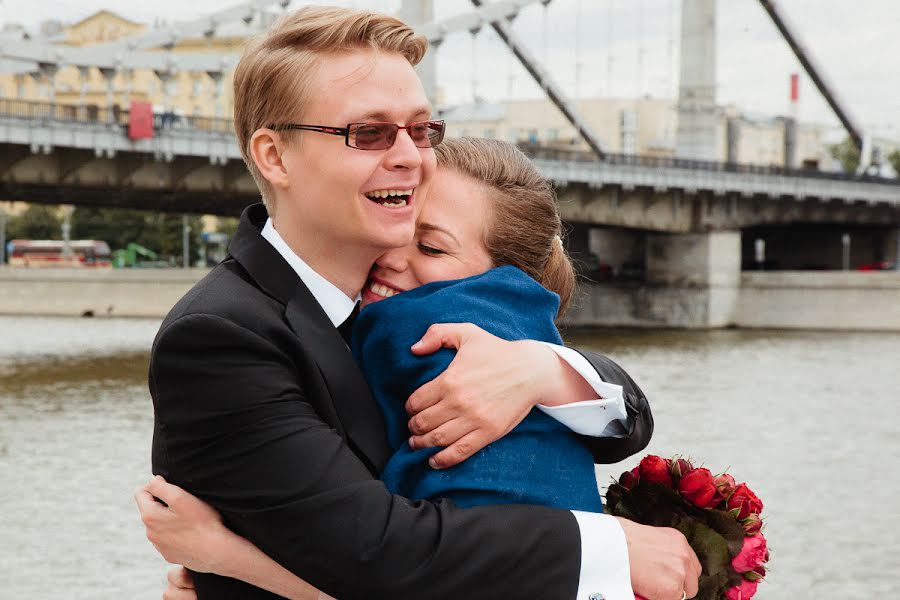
(720, 519)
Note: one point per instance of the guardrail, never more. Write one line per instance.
(99, 115)
(543, 152)
(103, 115)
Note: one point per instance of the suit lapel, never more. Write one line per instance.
(350, 394)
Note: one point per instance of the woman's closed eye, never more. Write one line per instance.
(431, 250)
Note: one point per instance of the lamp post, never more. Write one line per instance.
(185, 241)
(67, 211)
(2, 237)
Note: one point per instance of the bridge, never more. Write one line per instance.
(686, 224)
(77, 155)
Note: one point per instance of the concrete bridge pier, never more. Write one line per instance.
(691, 280)
(694, 278)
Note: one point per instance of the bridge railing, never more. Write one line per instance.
(102, 115)
(543, 152)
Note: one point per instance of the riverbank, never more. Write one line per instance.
(818, 300)
(813, 300)
(76, 421)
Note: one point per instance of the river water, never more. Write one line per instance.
(807, 419)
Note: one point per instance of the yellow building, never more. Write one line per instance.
(186, 93)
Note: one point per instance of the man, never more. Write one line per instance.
(259, 408)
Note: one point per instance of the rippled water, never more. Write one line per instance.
(805, 418)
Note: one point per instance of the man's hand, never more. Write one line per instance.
(181, 585)
(187, 531)
(662, 562)
(487, 390)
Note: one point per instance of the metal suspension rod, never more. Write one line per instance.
(806, 60)
(547, 84)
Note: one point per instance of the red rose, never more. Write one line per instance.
(745, 591)
(744, 501)
(654, 469)
(680, 467)
(629, 479)
(752, 524)
(698, 488)
(752, 555)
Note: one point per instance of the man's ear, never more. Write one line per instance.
(266, 148)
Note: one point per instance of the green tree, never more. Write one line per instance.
(894, 159)
(159, 232)
(847, 154)
(117, 227)
(38, 222)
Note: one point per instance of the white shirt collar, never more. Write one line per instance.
(337, 304)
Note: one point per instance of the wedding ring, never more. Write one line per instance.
(683, 595)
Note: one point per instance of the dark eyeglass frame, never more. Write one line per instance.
(439, 126)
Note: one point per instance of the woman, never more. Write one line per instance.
(488, 251)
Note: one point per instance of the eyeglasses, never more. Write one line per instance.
(377, 136)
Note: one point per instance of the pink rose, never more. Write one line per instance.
(745, 591)
(725, 484)
(745, 501)
(752, 555)
(698, 488)
(752, 524)
(654, 469)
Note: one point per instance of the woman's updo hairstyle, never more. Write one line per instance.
(524, 229)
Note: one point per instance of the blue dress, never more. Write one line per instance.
(539, 462)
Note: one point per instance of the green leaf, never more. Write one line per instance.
(729, 528)
(710, 547)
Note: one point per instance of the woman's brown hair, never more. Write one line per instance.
(524, 229)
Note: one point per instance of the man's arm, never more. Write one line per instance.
(636, 431)
(492, 384)
(235, 428)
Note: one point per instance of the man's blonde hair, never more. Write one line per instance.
(272, 79)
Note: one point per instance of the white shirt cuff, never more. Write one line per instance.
(596, 418)
(604, 558)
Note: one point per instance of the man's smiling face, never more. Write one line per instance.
(340, 193)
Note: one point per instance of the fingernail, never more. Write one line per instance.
(410, 442)
(417, 344)
(433, 463)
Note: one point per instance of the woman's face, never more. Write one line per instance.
(448, 243)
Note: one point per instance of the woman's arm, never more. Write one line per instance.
(191, 533)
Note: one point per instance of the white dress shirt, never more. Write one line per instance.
(604, 552)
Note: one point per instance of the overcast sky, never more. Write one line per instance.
(628, 48)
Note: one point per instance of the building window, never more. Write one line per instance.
(490, 133)
(552, 134)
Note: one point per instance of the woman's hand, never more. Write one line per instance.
(181, 586)
(487, 390)
(188, 531)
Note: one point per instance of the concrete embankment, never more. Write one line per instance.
(815, 300)
(785, 299)
(94, 292)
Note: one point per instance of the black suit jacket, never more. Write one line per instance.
(261, 411)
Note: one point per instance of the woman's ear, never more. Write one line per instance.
(266, 148)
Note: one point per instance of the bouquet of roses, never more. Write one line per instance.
(720, 519)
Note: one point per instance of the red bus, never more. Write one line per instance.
(51, 253)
